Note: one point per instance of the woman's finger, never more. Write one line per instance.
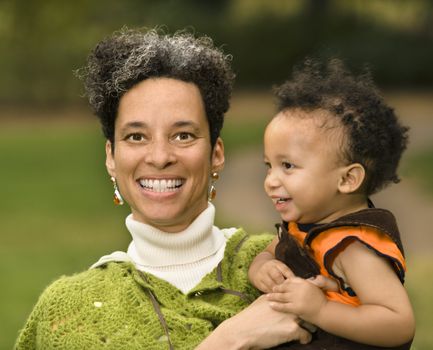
(307, 325)
(304, 336)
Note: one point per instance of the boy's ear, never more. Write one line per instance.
(351, 179)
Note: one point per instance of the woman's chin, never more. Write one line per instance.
(162, 216)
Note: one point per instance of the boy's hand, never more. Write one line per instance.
(325, 283)
(298, 296)
(271, 274)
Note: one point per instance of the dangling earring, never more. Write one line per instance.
(212, 191)
(117, 199)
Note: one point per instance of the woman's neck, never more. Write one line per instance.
(153, 247)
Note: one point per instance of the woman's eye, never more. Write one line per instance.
(184, 136)
(135, 137)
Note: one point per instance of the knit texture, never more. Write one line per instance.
(110, 307)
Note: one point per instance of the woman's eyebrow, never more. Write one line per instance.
(133, 125)
(181, 123)
(142, 125)
(187, 123)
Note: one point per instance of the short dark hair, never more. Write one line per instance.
(128, 57)
(373, 135)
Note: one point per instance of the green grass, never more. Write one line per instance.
(238, 136)
(420, 168)
(57, 216)
(56, 212)
(420, 291)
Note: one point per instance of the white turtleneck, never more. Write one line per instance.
(182, 258)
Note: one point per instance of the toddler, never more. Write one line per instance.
(333, 143)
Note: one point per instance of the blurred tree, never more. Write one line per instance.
(43, 41)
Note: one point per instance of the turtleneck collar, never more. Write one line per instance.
(153, 247)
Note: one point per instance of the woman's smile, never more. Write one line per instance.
(161, 185)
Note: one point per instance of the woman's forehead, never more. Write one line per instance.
(162, 100)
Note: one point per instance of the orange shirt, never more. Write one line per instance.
(329, 243)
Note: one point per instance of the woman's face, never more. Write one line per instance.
(162, 157)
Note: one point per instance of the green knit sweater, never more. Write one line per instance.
(117, 307)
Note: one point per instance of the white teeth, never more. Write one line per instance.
(161, 185)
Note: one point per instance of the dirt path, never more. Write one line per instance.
(241, 199)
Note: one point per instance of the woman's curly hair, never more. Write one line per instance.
(373, 136)
(128, 57)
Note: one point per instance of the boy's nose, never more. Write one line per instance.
(271, 180)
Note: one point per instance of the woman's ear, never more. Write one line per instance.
(109, 159)
(351, 179)
(218, 156)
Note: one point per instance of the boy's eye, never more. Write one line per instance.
(287, 165)
(267, 165)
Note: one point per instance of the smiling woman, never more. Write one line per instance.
(182, 282)
(162, 137)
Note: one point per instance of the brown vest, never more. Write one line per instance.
(299, 258)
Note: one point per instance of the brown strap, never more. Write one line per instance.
(236, 250)
(157, 310)
(238, 294)
(239, 245)
(219, 276)
(219, 273)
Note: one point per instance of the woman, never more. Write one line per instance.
(161, 102)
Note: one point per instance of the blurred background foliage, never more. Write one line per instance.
(56, 213)
(42, 41)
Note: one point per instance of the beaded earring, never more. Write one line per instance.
(212, 189)
(117, 198)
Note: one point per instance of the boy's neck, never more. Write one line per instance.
(355, 204)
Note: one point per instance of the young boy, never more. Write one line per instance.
(333, 143)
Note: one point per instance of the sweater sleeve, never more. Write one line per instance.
(28, 336)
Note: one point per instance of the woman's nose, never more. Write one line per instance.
(160, 154)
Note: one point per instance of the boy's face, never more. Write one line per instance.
(304, 167)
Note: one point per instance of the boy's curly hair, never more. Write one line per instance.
(373, 135)
(128, 57)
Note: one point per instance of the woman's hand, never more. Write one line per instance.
(256, 327)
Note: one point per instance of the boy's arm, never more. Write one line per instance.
(265, 271)
(385, 316)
